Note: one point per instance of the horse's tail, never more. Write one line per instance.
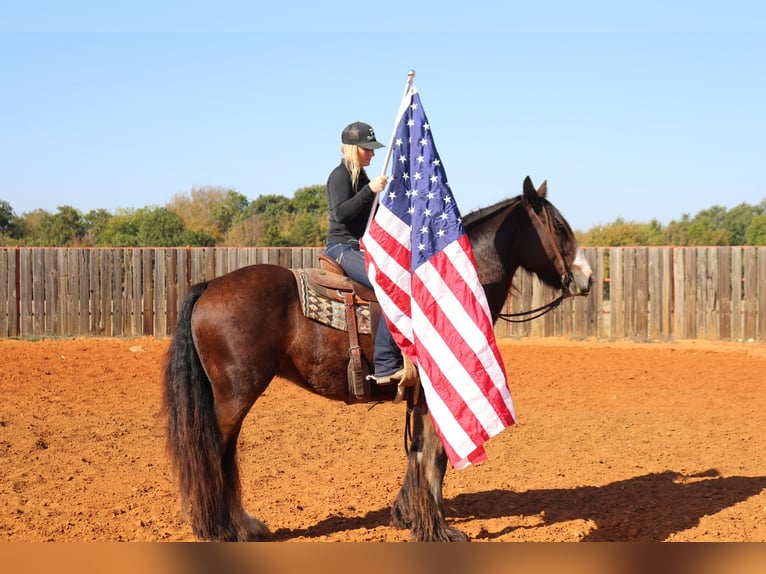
(194, 441)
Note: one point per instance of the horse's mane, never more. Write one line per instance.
(485, 212)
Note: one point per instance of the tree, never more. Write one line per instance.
(755, 234)
(119, 231)
(64, 228)
(250, 232)
(96, 221)
(305, 229)
(161, 227)
(10, 225)
(209, 209)
(311, 199)
(623, 233)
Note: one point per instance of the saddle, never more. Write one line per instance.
(332, 298)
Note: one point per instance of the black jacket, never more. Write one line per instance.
(349, 207)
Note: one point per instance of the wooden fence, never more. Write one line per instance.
(640, 293)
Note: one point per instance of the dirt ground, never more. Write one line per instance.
(615, 442)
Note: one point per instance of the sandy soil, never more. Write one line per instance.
(615, 442)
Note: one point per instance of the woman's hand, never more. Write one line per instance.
(378, 184)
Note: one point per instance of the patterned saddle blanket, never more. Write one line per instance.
(322, 299)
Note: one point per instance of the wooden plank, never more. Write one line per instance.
(724, 273)
(737, 312)
(83, 283)
(171, 288)
(641, 295)
(63, 282)
(52, 318)
(679, 296)
(147, 273)
(93, 301)
(666, 328)
(38, 292)
(690, 296)
(118, 298)
(760, 289)
(4, 297)
(600, 284)
(25, 292)
(616, 292)
(654, 267)
(160, 298)
(750, 295)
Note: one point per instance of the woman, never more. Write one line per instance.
(350, 195)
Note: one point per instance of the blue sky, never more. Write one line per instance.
(643, 113)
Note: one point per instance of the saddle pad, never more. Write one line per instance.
(326, 311)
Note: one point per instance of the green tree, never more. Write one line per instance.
(249, 232)
(273, 209)
(225, 213)
(708, 228)
(119, 231)
(161, 227)
(624, 233)
(64, 228)
(311, 199)
(305, 229)
(10, 225)
(737, 220)
(96, 221)
(208, 209)
(755, 234)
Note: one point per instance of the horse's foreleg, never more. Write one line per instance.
(419, 505)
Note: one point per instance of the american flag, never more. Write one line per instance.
(422, 266)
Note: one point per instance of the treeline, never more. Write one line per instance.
(204, 217)
(742, 225)
(215, 216)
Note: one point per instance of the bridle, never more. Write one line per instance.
(545, 233)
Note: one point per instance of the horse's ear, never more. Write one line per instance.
(532, 195)
(542, 191)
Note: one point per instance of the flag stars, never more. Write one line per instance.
(421, 159)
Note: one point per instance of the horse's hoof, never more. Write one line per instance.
(256, 529)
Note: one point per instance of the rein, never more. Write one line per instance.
(535, 313)
(545, 233)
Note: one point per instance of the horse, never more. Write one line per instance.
(236, 332)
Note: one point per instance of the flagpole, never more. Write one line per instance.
(389, 151)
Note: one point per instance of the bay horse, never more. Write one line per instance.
(235, 333)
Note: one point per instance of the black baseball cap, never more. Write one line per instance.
(361, 134)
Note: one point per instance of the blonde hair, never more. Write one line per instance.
(351, 161)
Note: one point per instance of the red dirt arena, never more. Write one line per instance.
(615, 442)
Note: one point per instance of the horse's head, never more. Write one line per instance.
(551, 238)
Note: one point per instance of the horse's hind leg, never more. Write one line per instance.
(419, 505)
(246, 527)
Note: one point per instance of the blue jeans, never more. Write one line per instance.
(388, 357)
